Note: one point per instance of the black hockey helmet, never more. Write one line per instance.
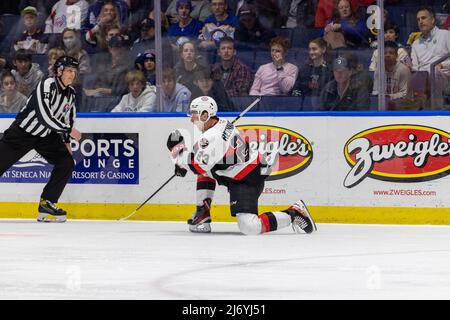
(66, 61)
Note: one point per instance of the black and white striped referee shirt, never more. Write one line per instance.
(49, 108)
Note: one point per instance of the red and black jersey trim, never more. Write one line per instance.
(194, 166)
(206, 183)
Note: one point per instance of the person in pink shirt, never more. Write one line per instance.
(277, 77)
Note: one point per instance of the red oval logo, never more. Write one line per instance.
(286, 152)
(403, 153)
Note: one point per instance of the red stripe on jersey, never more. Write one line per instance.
(265, 224)
(196, 166)
(244, 172)
(205, 179)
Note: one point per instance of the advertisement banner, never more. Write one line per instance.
(100, 158)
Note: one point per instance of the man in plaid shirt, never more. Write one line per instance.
(236, 77)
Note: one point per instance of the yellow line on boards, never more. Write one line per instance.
(221, 213)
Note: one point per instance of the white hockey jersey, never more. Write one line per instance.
(221, 151)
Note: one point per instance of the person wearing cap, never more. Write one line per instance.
(145, 62)
(66, 14)
(277, 77)
(186, 25)
(46, 124)
(250, 32)
(146, 41)
(32, 38)
(201, 9)
(344, 93)
(110, 74)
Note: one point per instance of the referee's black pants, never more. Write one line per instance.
(16, 143)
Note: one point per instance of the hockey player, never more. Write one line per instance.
(221, 154)
(45, 124)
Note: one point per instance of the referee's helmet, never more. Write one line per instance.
(66, 61)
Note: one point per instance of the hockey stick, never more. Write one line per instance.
(247, 109)
(237, 118)
(125, 218)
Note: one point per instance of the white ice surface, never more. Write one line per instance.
(162, 260)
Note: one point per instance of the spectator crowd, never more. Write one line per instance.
(296, 54)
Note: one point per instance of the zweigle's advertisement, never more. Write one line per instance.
(100, 158)
(284, 151)
(401, 153)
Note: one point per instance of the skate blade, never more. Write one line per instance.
(43, 217)
(305, 209)
(200, 228)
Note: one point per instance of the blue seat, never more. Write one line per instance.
(11, 24)
(99, 104)
(302, 36)
(284, 32)
(281, 103)
(41, 60)
(240, 103)
(247, 57)
(262, 57)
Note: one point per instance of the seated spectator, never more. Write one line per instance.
(43, 7)
(398, 76)
(343, 94)
(221, 23)
(95, 9)
(346, 29)
(236, 77)
(206, 86)
(146, 41)
(316, 72)
(52, 55)
(32, 38)
(145, 62)
(432, 45)
(110, 74)
(26, 73)
(11, 100)
(186, 25)
(201, 9)
(277, 77)
(325, 9)
(249, 31)
(141, 98)
(298, 13)
(71, 44)
(107, 20)
(188, 64)
(66, 14)
(391, 33)
(176, 97)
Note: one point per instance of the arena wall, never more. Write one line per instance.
(348, 168)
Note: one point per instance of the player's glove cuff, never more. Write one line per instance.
(179, 171)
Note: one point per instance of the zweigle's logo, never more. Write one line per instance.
(285, 151)
(402, 153)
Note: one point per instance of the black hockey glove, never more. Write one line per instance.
(174, 138)
(179, 171)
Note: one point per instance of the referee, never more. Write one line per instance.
(45, 124)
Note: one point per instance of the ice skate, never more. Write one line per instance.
(201, 219)
(49, 212)
(301, 218)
